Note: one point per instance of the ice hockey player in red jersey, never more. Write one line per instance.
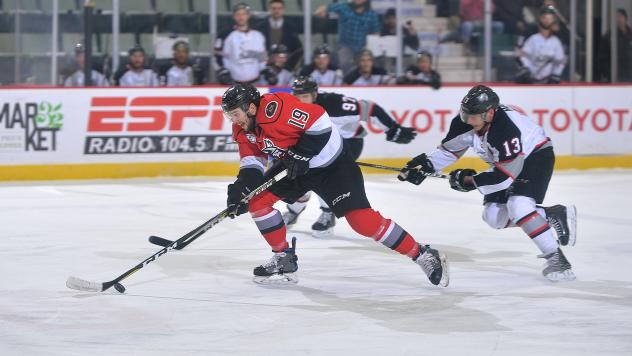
(347, 114)
(305, 142)
(521, 162)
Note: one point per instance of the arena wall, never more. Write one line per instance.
(79, 133)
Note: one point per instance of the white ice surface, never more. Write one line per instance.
(355, 297)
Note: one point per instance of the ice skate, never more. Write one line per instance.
(434, 265)
(324, 226)
(557, 267)
(290, 216)
(280, 269)
(563, 219)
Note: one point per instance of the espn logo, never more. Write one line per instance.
(152, 113)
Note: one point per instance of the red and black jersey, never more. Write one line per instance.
(282, 121)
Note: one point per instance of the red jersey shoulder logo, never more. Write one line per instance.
(271, 109)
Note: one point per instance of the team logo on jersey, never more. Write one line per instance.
(251, 138)
(271, 109)
(271, 149)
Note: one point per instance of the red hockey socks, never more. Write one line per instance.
(269, 220)
(370, 223)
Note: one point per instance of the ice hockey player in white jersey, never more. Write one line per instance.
(242, 50)
(135, 73)
(76, 79)
(275, 73)
(321, 69)
(542, 55)
(521, 162)
(347, 114)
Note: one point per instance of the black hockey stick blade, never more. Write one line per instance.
(157, 240)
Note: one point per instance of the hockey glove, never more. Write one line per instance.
(400, 134)
(236, 192)
(415, 169)
(457, 177)
(297, 164)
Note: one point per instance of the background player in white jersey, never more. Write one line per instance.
(241, 51)
(542, 55)
(76, 79)
(275, 73)
(347, 114)
(305, 142)
(135, 73)
(321, 69)
(180, 72)
(521, 159)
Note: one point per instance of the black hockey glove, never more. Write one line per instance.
(415, 169)
(457, 177)
(400, 134)
(297, 164)
(236, 192)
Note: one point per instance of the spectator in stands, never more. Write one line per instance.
(542, 56)
(421, 73)
(135, 73)
(356, 20)
(321, 69)
(275, 72)
(278, 31)
(366, 73)
(472, 16)
(389, 28)
(241, 51)
(624, 50)
(510, 13)
(76, 79)
(180, 72)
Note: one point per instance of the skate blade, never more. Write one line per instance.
(571, 215)
(445, 271)
(277, 279)
(566, 275)
(324, 233)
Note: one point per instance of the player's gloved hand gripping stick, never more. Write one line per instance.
(84, 285)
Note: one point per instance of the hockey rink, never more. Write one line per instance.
(355, 297)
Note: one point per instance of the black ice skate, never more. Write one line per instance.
(434, 265)
(280, 268)
(324, 226)
(290, 216)
(563, 219)
(557, 267)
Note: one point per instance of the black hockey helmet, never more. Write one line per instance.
(240, 96)
(478, 100)
(278, 49)
(304, 85)
(321, 50)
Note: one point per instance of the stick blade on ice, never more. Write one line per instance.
(83, 285)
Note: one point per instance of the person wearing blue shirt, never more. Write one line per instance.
(356, 20)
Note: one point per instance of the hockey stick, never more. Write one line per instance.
(161, 241)
(377, 166)
(84, 285)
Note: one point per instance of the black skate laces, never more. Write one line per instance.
(557, 225)
(429, 262)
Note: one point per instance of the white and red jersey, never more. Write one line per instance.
(511, 137)
(279, 124)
